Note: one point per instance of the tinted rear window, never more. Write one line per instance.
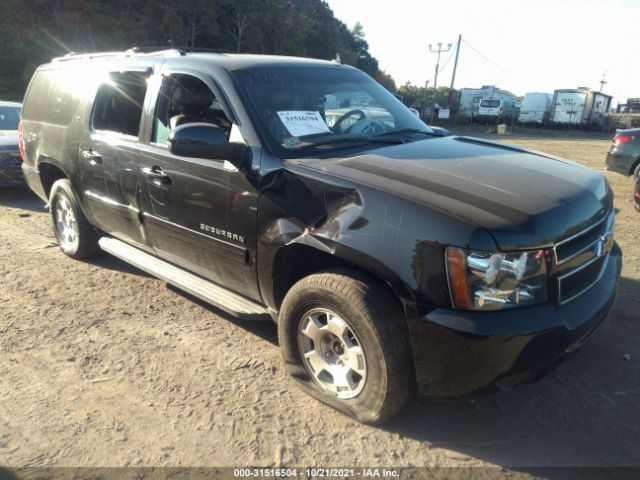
(53, 97)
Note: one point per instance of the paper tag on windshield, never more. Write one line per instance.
(300, 123)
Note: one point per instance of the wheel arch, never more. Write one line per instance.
(50, 170)
(635, 167)
(296, 261)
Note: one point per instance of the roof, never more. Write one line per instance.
(580, 90)
(230, 61)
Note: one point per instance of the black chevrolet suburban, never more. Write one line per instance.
(393, 260)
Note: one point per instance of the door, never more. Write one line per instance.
(199, 214)
(569, 107)
(109, 156)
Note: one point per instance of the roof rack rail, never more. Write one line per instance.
(181, 50)
(156, 50)
(205, 50)
(159, 50)
(78, 56)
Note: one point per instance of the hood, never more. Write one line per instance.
(525, 199)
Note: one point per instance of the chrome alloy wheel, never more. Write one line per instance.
(66, 224)
(332, 353)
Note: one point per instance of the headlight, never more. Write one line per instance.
(494, 281)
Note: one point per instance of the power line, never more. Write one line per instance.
(485, 57)
(446, 62)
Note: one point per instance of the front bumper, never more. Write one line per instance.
(461, 353)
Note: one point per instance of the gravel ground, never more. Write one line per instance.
(102, 365)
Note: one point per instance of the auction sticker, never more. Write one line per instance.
(300, 123)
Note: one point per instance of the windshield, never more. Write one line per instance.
(9, 118)
(490, 103)
(303, 110)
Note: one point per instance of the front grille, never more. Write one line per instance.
(580, 280)
(581, 259)
(582, 242)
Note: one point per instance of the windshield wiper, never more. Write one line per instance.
(401, 131)
(350, 139)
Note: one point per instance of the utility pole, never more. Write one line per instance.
(453, 75)
(603, 82)
(438, 50)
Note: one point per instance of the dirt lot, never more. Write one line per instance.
(101, 365)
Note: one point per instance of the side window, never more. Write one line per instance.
(54, 96)
(185, 99)
(118, 104)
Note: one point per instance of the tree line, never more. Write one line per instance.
(34, 31)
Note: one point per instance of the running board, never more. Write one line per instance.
(190, 283)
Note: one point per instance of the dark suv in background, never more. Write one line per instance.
(624, 158)
(10, 164)
(301, 190)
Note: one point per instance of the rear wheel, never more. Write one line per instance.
(344, 339)
(75, 235)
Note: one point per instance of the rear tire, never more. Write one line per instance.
(76, 237)
(359, 334)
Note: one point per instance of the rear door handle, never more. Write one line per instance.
(93, 156)
(157, 176)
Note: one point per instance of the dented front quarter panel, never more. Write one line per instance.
(393, 238)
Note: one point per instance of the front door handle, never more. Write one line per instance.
(157, 176)
(93, 156)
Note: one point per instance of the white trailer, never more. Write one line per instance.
(535, 107)
(580, 107)
(469, 100)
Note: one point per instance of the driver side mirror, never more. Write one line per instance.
(203, 140)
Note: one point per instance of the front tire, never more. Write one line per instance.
(344, 339)
(76, 237)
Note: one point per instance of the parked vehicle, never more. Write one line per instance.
(535, 108)
(10, 161)
(623, 157)
(624, 153)
(390, 258)
(497, 110)
(473, 107)
(579, 107)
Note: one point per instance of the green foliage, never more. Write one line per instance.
(34, 31)
(417, 97)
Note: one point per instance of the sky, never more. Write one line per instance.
(520, 46)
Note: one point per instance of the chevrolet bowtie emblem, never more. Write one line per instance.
(604, 245)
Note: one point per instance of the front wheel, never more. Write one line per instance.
(344, 339)
(76, 237)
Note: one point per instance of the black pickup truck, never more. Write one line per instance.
(393, 259)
